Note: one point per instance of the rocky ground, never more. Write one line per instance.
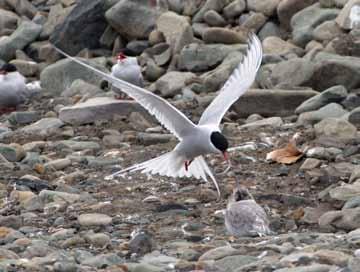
(57, 211)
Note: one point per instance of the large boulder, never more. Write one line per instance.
(304, 22)
(271, 102)
(267, 7)
(292, 73)
(56, 17)
(287, 8)
(82, 28)
(203, 57)
(59, 76)
(334, 94)
(346, 18)
(176, 29)
(172, 83)
(333, 70)
(333, 110)
(335, 128)
(26, 33)
(99, 108)
(8, 22)
(134, 19)
(213, 80)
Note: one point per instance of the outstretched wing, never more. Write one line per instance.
(237, 84)
(170, 117)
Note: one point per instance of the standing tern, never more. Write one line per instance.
(186, 159)
(13, 90)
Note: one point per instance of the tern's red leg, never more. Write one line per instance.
(187, 164)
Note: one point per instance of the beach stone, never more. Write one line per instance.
(345, 19)
(223, 36)
(288, 8)
(212, 18)
(94, 219)
(176, 30)
(267, 7)
(26, 33)
(134, 19)
(44, 126)
(305, 21)
(171, 83)
(332, 110)
(234, 9)
(337, 128)
(348, 219)
(59, 76)
(354, 117)
(275, 45)
(334, 94)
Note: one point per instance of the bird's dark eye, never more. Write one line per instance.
(219, 141)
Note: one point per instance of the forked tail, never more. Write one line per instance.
(172, 165)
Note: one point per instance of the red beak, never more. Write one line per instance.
(121, 56)
(226, 156)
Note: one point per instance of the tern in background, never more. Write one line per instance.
(13, 90)
(186, 159)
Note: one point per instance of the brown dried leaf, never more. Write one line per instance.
(287, 155)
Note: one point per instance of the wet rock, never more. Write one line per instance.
(133, 19)
(332, 110)
(26, 33)
(305, 21)
(334, 94)
(94, 219)
(176, 30)
(337, 128)
(223, 35)
(271, 102)
(99, 108)
(171, 83)
(347, 219)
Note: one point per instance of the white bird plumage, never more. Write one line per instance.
(195, 140)
(13, 89)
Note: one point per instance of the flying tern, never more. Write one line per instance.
(186, 159)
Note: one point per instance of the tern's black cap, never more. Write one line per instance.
(8, 67)
(219, 141)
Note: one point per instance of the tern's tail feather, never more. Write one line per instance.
(172, 165)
